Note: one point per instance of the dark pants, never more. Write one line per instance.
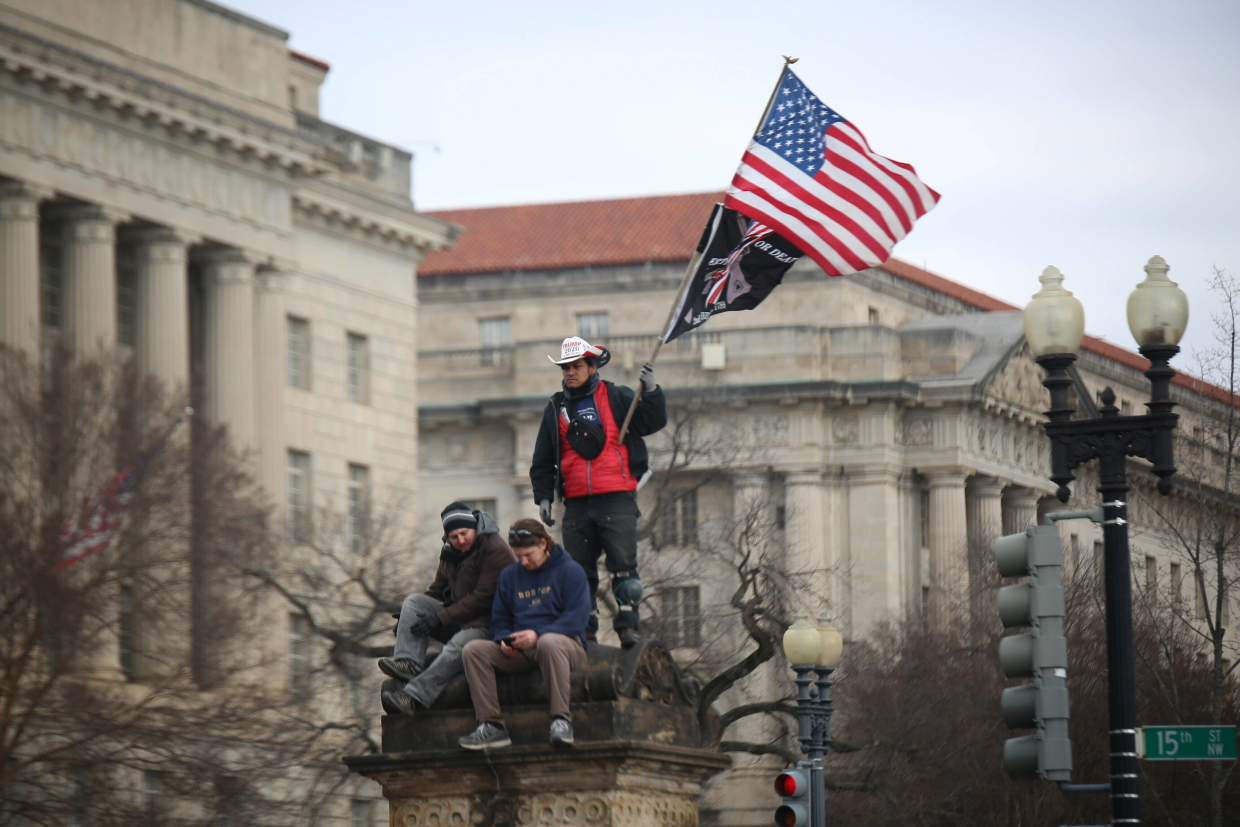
(604, 524)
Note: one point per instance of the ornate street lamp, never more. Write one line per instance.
(1054, 328)
(814, 649)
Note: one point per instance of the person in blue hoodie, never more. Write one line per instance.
(538, 621)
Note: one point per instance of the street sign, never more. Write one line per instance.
(1188, 743)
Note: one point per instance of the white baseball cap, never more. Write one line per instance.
(574, 348)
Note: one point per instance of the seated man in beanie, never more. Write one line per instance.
(538, 621)
(455, 610)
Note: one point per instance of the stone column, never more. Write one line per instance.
(1020, 509)
(19, 267)
(88, 322)
(804, 530)
(228, 346)
(949, 546)
(875, 563)
(161, 335)
(269, 367)
(984, 509)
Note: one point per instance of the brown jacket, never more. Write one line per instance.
(466, 584)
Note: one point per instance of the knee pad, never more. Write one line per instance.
(627, 589)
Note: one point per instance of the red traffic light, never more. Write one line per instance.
(791, 784)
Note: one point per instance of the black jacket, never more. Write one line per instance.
(465, 583)
(649, 418)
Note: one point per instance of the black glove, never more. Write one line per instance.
(647, 377)
(544, 511)
(426, 624)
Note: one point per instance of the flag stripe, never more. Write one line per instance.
(903, 173)
(842, 155)
(779, 204)
(827, 203)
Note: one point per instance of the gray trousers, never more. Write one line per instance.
(426, 687)
(553, 655)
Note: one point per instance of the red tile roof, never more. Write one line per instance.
(656, 228)
(572, 234)
(313, 61)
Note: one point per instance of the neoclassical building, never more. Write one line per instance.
(175, 198)
(891, 419)
(170, 195)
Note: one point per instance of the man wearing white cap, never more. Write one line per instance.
(578, 456)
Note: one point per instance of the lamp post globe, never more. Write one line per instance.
(1054, 318)
(831, 643)
(801, 641)
(1157, 308)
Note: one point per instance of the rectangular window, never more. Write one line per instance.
(682, 616)
(495, 337)
(873, 315)
(77, 792)
(298, 353)
(1177, 599)
(49, 274)
(591, 326)
(153, 792)
(359, 506)
(1199, 601)
(298, 516)
(125, 632)
(125, 308)
(1151, 577)
(1074, 553)
(1125, 408)
(361, 813)
(298, 654)
(679, 523)
(359, 369)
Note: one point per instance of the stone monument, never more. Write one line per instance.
(637, 760)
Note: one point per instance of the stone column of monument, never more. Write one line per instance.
(88, 280)
(19, 267)
(161, 352)
(228, 345)
(1020, 509)
(949, 546)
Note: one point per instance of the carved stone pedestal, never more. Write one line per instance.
(637, 761)
(597, 784)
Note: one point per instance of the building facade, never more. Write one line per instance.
(170, 195)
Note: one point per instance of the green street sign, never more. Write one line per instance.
(1187, 743)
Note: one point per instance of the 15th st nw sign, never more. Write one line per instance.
(1188, 743)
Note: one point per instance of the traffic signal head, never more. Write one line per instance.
(793, 787)
(1041, 654)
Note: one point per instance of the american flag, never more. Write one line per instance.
(91, 527)
(810, 175)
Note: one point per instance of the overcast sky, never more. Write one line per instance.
(1088, 135)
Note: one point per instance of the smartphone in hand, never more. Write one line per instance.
(507, 640)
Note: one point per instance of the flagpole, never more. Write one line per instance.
(637, 395)
(788, 61)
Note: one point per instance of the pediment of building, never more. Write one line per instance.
(1018, 385)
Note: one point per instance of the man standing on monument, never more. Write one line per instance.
(455, 609)
(538, 622)
(579, 456)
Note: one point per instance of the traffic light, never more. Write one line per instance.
(1041, 654)
(793, 786)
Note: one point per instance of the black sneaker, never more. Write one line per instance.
(628, 638)
(488, 735)
(399, 668)
(398, 702)
(561, 733)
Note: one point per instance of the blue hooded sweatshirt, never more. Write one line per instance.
(553, 598)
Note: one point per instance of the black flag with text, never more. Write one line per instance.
(741, 262)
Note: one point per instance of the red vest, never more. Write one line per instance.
(606, 473)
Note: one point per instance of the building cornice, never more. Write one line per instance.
(156, 104)
(407, 231)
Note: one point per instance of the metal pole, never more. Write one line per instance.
(822, 742)
(1121, 674)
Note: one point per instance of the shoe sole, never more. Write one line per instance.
(561, 742)
(394, 673)
(393, 709)
(507, 742)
